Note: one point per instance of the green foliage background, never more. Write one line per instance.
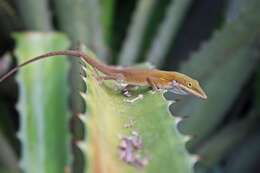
(216, 42)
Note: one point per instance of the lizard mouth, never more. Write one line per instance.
(178, 90)
(200, 93)
(183, 90)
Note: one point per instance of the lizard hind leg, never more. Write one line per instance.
(118, 78)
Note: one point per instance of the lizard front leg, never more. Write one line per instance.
(153, 84)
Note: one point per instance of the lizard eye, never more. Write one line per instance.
(189, 84)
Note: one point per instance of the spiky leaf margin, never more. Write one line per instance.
(106, 118)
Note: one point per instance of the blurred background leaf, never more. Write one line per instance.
(43, 104)
(232, 61)
(132, 44)
(216, 42)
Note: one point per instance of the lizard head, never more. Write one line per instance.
(183, 84)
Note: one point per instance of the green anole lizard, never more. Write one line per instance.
(157, 79)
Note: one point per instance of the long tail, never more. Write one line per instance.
(95, 63)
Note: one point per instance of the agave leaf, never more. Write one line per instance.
(234, 8)
(35, 14)
(5, 63)
(132, 45)
(223, 65)
(230, 137)
(167, 31)
(7, 8)
(107, 14)
(233, 37)
(96, 33)
(73, 23)
(257, 92)
(154, 23)
(246, 158)
(7, 97)
(110, 118)
(222, 96)
(43, 104)
(8, 158)
(6, 123)
(83, 23)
